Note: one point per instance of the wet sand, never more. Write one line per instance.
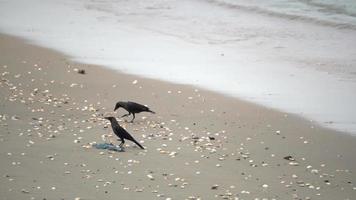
(199, 145)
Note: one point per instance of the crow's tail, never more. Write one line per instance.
(138, 144)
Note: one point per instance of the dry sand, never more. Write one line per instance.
(199, 145)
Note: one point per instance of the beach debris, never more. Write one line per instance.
(173, 154)
(290, 158)
(81, 71)
(150, 176)
(245, 192)
(293, 163)
(15, 117)
(108, 146)
(25, 191)
(215, 187)
(50, 157)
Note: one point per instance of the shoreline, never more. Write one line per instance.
(239, 51)
(259, 103)
(248, 149)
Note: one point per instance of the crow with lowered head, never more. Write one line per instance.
(132, 108)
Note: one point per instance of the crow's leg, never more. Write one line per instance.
(122, 143)
(133, 117)
(126, 115)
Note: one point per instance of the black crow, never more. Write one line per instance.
(121, 133)
(132, 108)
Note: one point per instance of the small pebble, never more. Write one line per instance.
(25, 191)
(214, 187)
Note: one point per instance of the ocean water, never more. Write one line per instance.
(297, 56)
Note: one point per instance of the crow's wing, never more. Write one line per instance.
(136, 107)
(123, 133)
(126, 135)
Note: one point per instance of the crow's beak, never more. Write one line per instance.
(106, 118)
(116, 107)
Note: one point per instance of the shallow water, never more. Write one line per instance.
(295, 56)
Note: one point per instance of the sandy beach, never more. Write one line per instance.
(199, 145)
